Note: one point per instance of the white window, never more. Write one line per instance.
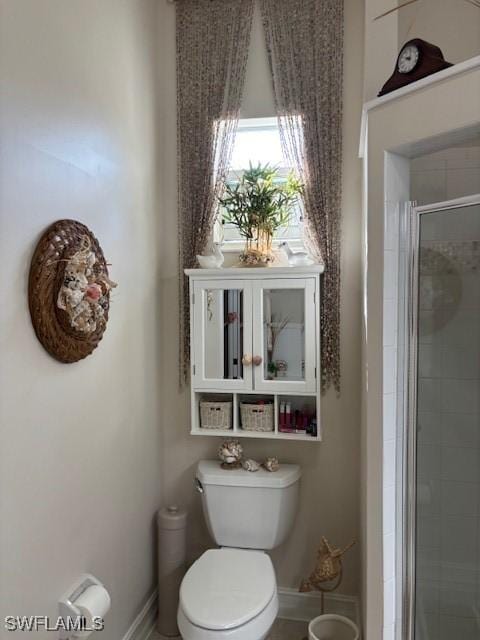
(258, 142)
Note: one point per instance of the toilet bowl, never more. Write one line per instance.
(228, 594)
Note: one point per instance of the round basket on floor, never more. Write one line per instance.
(332, 627)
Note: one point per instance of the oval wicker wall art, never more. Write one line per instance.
(69, 291)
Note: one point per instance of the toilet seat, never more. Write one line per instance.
(227, 588)
(257, 629)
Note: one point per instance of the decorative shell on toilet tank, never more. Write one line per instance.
(249, 510)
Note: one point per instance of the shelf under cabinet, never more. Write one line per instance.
(297, 400)
(255, 434)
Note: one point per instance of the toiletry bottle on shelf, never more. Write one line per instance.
(281, 417)
(299, 428)
(296, 419)
(288, 415)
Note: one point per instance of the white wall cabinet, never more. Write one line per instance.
(255, 339)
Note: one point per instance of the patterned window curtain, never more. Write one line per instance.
(305, 48)
(212, 50)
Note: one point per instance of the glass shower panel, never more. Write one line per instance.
(447, 594)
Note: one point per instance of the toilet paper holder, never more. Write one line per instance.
(66, 604)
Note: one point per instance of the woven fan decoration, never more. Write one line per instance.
(69, 291)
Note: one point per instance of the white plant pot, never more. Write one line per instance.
(332, 627)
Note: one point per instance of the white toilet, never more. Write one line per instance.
(231, 593)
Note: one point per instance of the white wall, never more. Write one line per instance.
(454, 26)
(329, 502)
(381, 46)
(80, 444)
(258, 99)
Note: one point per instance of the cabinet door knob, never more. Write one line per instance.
(247, 360)
(257, 360)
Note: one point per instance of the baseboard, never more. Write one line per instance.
(306, 606)
(144, 623)
(292, 606)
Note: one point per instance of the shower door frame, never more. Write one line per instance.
(408, 381)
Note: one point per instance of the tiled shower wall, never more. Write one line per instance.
(445, 175)
(390, 442)
(397, 191)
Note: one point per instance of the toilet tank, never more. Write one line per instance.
(245, 509)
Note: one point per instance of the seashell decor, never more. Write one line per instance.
(271, 464)
(83, 292)
(250, 465)
(230, 453)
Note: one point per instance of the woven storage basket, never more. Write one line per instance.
(256, 417)
(215, 415)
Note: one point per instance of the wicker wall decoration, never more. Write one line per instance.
(69, 291)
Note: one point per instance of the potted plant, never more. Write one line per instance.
(258, 204)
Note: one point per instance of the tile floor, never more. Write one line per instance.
(289, 630)
(282, 630)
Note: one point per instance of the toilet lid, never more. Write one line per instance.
(226, 588)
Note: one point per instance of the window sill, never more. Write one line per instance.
(237, 246)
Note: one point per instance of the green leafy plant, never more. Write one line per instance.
(260, 202)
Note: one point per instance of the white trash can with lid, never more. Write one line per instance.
(332, 627)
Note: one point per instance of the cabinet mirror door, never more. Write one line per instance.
(284, 335)
(221, 333)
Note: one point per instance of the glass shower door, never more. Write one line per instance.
(446, 423)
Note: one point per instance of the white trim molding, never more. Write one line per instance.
(143, 625)
(457, 69)
(260, 272)
(294, 605)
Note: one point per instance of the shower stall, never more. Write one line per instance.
(439, 410)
